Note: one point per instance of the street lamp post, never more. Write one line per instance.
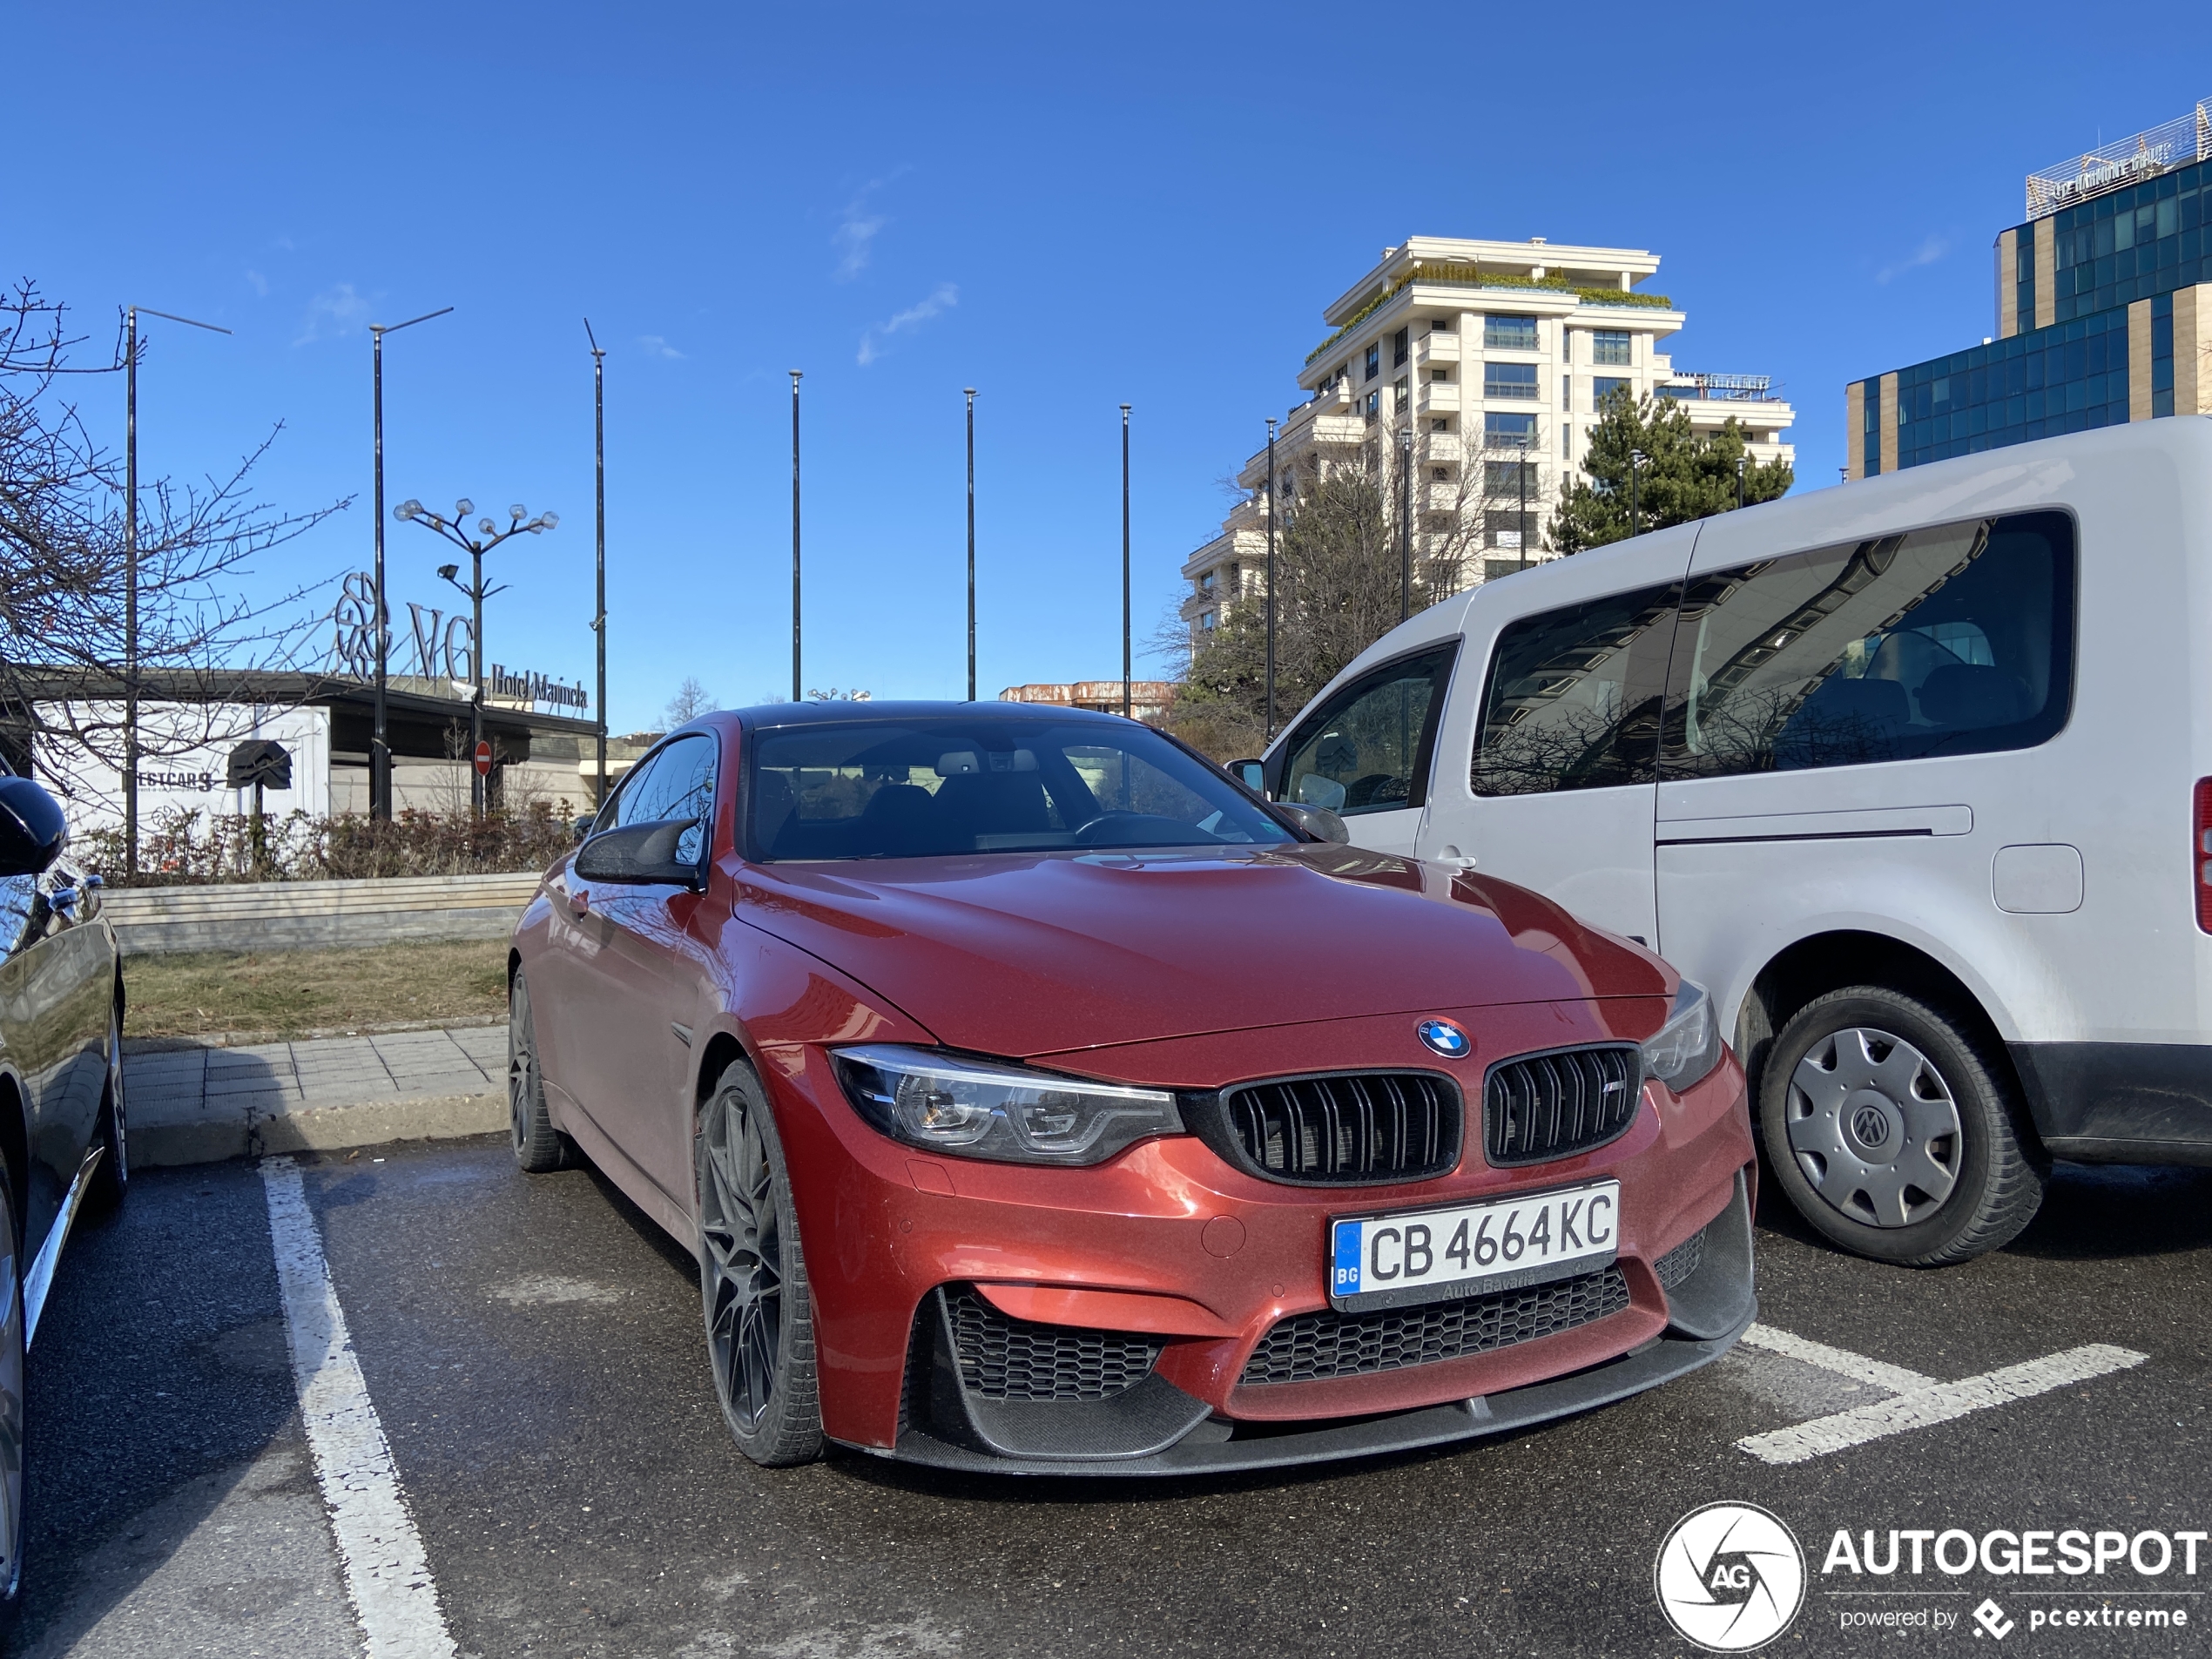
(599, 614)
(1270, 579)
(1523, 470)
(131, 577)
(797, 695)
(487, 536)
(1125, 656)
(1636, 458)
(970, 391)
(380, 750)
(1405, 523)
(1739, 481)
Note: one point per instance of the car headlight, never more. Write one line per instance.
(974, 1109)
(1689, 1045)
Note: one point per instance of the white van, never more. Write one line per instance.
(1914, 774)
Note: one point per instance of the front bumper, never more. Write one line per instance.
(1156, 1429)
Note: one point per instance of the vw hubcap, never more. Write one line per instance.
(1874, 1128)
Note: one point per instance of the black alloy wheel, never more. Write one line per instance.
(753, 1278)
(12, 1529)
(111, 1181)
(1895, 1129)
(539, 1147)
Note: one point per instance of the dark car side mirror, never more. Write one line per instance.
(32, 830)
(1250, 773)
(1316, 820)
(640, 852)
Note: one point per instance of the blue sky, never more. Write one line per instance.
(1069, 208)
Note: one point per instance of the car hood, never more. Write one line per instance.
(1024, 954)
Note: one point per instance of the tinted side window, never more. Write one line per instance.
(1574, 697)
(678, 782)
(1367, 750)
(1956, 640)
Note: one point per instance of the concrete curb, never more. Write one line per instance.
(215, 1132)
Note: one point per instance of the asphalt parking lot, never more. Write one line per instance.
(532, 1350)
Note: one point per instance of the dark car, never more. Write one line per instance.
(62, 1126)
(1037, 1099)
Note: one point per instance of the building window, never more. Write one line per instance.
(1442, 325)
(1509, 431)
(1401, 396)
(1235, 580)
(1609, 346)
(1503, 478)
(2162, 355)
(1509, 334)
(1501, 527)
(1374, 359)
(1401, 348)
(1205, 620)
(1509, 379)
(1601, 385)
(1566, 394)
(1442, 475)
(1439, 375)
(1374, 405)
(1441, 423)
(1566, 345)
(1206, 583)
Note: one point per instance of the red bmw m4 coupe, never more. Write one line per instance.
(1036, 1099)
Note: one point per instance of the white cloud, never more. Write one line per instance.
(260, 284)
(942, 298)
(336, 311)
(654, 346)
(855, 234)
(1927, 254)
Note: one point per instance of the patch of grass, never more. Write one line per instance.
(279, 994)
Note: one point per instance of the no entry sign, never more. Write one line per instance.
(483, 758)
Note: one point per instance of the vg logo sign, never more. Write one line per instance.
(1730, 1577)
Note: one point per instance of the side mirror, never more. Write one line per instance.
(1250, 773)
(1316, 820)
(32, 830)
(640, 852)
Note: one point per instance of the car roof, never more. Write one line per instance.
(841, 713)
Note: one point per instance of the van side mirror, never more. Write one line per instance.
(639, 852)
(32, 830)
(1250, 773)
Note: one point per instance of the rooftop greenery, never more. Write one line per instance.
(1474, 277)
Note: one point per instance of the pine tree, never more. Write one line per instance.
(1686, 474)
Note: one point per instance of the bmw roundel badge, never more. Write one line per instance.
(1442, 1036)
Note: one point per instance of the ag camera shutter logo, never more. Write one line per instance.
(1730, 1577)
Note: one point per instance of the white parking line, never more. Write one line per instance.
(1931, 1403)
(387, 1574)
(1856, 1366)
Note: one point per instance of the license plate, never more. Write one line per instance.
(1469, 1249)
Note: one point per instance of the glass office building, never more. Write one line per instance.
(2093, 291)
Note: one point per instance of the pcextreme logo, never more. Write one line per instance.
(1730, 1577)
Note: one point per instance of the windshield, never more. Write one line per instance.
(917, 788)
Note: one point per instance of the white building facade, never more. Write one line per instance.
(1490, 358)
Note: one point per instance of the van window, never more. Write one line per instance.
(1367, 749)
(1956, 640)
(1573, 701)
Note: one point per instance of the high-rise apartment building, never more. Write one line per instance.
(2104, 313)
(1482, 364)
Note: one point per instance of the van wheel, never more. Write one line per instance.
(1895, 1132)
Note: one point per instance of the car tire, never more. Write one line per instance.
(13, 1487)
(539, 1147)
(1896, 1129)
(111, 1181)
(753, 1278)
